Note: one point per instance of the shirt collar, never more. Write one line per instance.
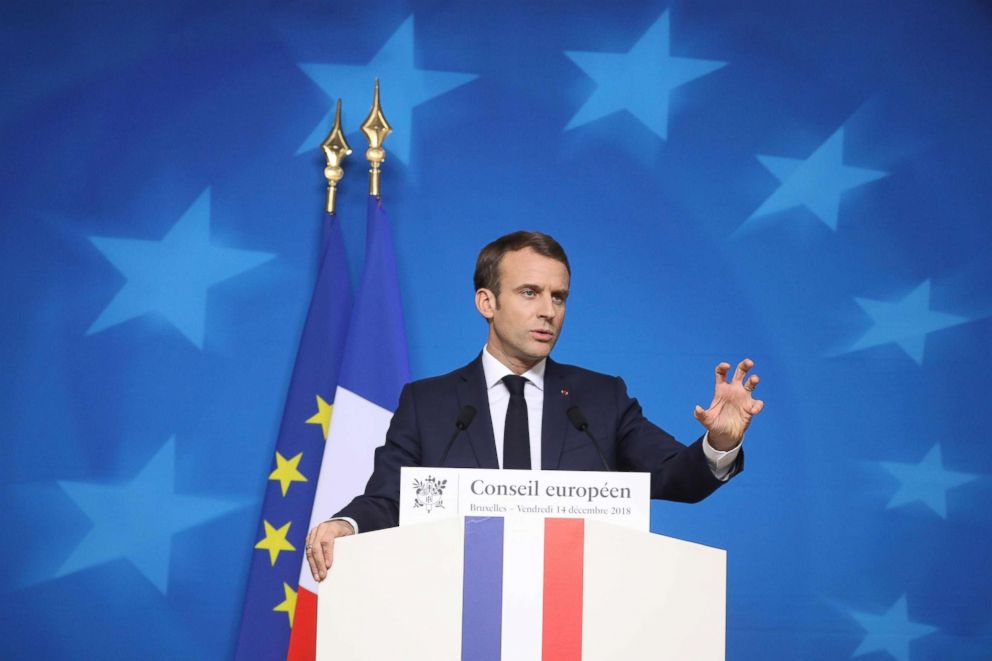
(495, 371)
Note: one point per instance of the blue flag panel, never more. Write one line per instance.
(376, 364)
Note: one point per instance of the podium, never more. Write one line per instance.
(516, 587)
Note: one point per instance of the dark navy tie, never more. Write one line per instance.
(516, 435)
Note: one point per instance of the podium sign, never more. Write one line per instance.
(433, 494)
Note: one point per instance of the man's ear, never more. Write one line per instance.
(485, 303)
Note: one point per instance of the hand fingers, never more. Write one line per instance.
(698, 412)
(721, 373)
(308, 552)
(320, 546)
(742, 368)
(327, 553)
(756, 406)
(316, 556)
(751, 383)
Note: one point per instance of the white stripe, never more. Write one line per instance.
(357, 427)
(523, 587)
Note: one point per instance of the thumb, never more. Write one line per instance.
(698, 412)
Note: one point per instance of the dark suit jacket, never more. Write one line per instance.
(427, 410)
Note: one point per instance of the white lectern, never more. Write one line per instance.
(519, 588)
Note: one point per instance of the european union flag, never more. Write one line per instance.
(270, 599)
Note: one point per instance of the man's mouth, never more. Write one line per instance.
(542, 335)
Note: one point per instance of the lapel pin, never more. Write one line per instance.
(564, 391)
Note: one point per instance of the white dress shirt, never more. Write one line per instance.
(499, 400)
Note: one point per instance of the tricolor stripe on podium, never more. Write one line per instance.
(522, 600)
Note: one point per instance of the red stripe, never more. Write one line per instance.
(563, 551)
(303, 639)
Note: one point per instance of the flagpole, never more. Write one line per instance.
(376, 128)
(335, 149)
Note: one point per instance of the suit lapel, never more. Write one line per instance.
(553, 421)
(472, 391)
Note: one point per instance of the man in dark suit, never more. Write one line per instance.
(522, 399)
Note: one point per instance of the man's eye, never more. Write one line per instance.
(557, 298)
(527, 292)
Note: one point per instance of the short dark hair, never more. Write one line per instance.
(487, 266)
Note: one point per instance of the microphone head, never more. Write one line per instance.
(465, 417)
(577, 419)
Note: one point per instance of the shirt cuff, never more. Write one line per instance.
(354, 525)
(721, 461)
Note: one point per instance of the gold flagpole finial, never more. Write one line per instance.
(335, 149)
(376, 128)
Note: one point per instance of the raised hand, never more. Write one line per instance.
(732, 407)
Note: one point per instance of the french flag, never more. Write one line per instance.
(374, 369)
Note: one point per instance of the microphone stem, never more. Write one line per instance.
(602, 457)
(447, 449)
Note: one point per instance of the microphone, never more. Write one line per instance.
(465, 417)
(581, 424)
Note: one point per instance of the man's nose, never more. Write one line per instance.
(548, 309)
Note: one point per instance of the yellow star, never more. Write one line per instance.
(288, 605)
(323, 415)
(275, 540)
(287, 471)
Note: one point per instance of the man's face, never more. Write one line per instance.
(528, 314)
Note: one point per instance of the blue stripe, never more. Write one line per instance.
(376, 365)
(482, 591)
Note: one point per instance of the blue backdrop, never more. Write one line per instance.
(807, 184)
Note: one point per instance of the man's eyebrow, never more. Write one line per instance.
(538, 288)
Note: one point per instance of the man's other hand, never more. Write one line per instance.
(732, 407)
(320, 545)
